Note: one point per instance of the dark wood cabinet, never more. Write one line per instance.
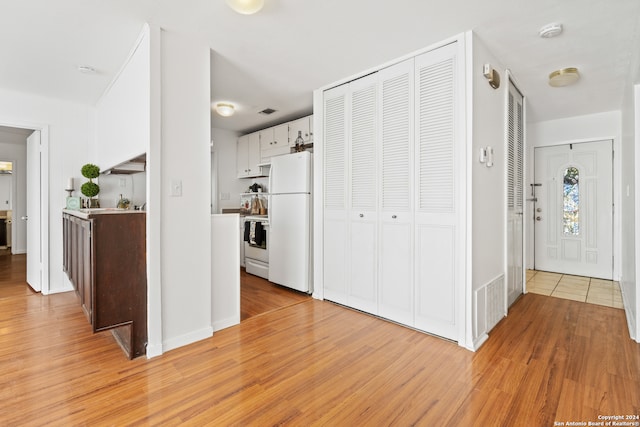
(105, 260)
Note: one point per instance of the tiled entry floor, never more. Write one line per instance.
(577, 288)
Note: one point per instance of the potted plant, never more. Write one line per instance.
(90, 189)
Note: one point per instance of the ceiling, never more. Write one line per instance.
(276, 58)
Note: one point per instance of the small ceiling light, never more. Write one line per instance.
(550, 30)
(246, 7)
(564, 77)
(85, 69)
(225, 110)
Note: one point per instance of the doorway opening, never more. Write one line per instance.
(27, 149)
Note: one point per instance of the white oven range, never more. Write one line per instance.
(256, 251)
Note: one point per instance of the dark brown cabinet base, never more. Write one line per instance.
(105, 260)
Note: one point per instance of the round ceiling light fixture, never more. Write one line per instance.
(564, 77)
(246, 7)
(225, 109)
(550, 30)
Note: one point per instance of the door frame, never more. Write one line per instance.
(616, 196)
(44, 194)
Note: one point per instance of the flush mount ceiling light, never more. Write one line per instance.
(225, 110)
(550, 30)
(564, 77)
(246, 7)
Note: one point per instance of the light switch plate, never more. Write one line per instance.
(176, 188)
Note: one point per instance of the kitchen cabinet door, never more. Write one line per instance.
(274, 141)
(254, 155)
(303, 126)
(242, 157)
(248, 156)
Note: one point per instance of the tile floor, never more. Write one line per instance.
(577, 288)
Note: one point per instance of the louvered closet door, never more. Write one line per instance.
(515, 156)
(362, 246)
(396, 190)
(336, 131)
(439, 268)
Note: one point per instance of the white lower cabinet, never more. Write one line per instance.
(392, 192)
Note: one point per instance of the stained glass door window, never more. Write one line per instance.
(571, 202)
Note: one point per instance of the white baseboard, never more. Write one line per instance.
(154, 350)
(225, 323)
(630, 315)
(187, 339)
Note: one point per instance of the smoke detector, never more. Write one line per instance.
(550, 30)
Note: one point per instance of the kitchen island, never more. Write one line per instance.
(105, 260)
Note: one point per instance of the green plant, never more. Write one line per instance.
(90, 171)
(90, 189)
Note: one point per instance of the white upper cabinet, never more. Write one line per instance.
(248, 156)
(303, 127)
(274, 141)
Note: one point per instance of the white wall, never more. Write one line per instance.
(224, 145)
(628, 154)
(185, 220)
(122, 113)
(488, 186)
(17, 153)
(69, 127)
(592, 127)
(6, 182)
(132, 187)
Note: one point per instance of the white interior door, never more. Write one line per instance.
(574, 209)
(515, 151)
(34, 252)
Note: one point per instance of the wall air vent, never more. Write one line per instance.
(267, 111)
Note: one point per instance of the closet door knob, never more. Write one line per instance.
(361, 215)
(394, 216)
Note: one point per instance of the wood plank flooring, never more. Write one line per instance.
(316, 364)
(259, 296)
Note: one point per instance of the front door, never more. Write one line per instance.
(574, 209)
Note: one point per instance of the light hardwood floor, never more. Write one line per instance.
(259, 296)
(316, 364)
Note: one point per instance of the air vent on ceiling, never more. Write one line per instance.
(267, 111)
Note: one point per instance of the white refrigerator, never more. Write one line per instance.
(290, 221)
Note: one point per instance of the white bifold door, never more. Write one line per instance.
(392, 190)
(574, 210)
(515, 193)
